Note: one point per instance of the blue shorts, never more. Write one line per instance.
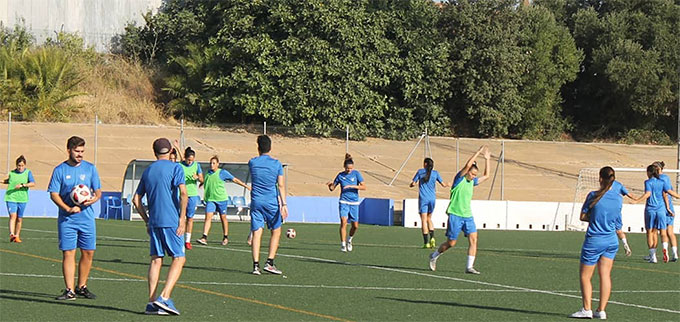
(216, 206)
(670, 220)
(164, 241)
(261, 214)
(191, 206)
(655, 218)
(351, 211)
(16, 208)
(77, 232)
(458, 223)
(595, 248)
(426, 206)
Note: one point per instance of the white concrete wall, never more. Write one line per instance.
(523, 215)
(97, 21)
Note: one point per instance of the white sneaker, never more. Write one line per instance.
(271, 269)
(600, 315)
(343, 248)
(256, 271)
(349, 246)
(582, 314)
(653, 260)
(472, 270)
(647, 257)
(433, 262)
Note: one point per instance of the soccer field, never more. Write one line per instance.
(525, 276)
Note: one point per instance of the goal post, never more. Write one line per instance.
(589, 180)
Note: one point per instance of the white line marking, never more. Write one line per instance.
(423, 274)
(369, 288)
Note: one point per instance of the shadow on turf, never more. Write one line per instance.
(334, 262)
(533, 253)
(14, 295)
(473, 306)
(203, 268)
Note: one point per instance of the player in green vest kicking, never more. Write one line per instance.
(192, 175)
(460, 214)
(16, 196)
(215, 196)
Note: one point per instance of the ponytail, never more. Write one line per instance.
(660, 164)
(429, 164)
(607, 177)
(348, 160)
(20, 159)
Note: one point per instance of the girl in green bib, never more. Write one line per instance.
(459, 211)
(16, 196)
(192, 176)
(215, 196)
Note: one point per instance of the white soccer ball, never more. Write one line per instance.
(290, 233)
(80, 194)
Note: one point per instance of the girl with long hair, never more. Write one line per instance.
(426, 178)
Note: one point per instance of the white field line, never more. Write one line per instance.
(403, 271)
(343, 287)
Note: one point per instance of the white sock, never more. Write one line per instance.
(470, 261)
(344, 244)
(675, 251)
(349, 240)
(624, 241)
(665, 246)
(187, 237)
(652, 252)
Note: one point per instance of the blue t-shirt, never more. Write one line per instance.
(344, 179)
(427, 190)
(666, 179)
(65, 177)
(656, 187)
(605, 216)
(265, 172)
(160, 183)
(459, 177)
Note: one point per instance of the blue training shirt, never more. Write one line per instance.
(656, 187)
(667, 182)
(427, 190)
(605, 215)
(160, 183)
(265, 172)
(65, 177)
(344, 179)
(459, 177)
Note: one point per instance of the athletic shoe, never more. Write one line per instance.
(256, 271)
(433, 243)
(271, 269)
(627, 249)
(11, 238)
(652, 260)
(187, 245)
(647, 257)
(225, 241)
(674, 259)
(600, 315)
(343, 248)
(665, 256)
(472, 270)
(17, 239)
(349, 246)
(153, 310)
(202, 241)
(433, 262)
(84, 292)
(166, 305)
(582, 314)
(426, 246)
(68, 295)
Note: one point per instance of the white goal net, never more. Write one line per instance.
(631, 178)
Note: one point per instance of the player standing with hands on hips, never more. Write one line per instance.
(460, 213)
(163, 184)
(75, 224)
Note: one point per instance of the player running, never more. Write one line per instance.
(163, 184)
(426, 178)
(602, 211)
(350, 182)
(656, 210)
(192, 175)
(75, 225)
(16, 197)
(268, 204)
(460, 213)
(215, 196)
